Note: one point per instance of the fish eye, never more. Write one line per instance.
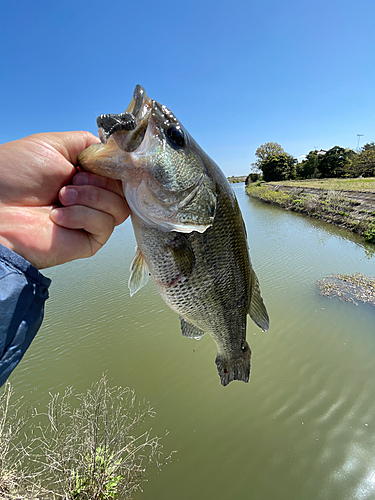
(176, 135)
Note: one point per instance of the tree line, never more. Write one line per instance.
(274, 164)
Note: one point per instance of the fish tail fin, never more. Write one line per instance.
(234, 368)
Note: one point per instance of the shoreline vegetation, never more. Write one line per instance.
(235, 179)
(94, 445)
(348, 203)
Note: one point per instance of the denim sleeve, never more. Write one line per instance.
(23, 292)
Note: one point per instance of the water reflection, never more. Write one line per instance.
(302, 427)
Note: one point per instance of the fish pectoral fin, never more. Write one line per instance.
(183, 253)
(139, 273)
(257, 309)
(191, 331)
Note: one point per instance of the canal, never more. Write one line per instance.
(303, 428)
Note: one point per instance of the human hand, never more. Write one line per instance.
(37, 172)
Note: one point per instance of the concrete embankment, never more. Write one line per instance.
(354, 210)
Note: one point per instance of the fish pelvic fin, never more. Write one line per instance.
(189, 330)
(139, 273)
(257, 309)
(234, 368)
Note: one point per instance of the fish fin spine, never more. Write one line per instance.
(189, 330)
(139, 273)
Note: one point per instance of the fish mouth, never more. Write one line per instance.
(128, 128)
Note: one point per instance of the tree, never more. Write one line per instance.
(266, 150)
(336, 162)
(370, 146)
(252, 177)
(363, 164)
(279, 167)
(309, 168)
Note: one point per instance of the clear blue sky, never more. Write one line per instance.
(236, 73)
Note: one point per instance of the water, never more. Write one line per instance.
(303, 428)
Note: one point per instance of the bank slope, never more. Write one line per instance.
(354, 210)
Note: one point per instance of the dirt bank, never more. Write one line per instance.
(354, 210)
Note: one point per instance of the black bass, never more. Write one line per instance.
(189, 230)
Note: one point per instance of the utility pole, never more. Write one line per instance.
(359, 136)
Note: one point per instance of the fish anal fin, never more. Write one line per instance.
(257, 309)
(139, 273)
(191, 331)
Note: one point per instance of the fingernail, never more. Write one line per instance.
(68, 194)
(57, 215)
(80, 179)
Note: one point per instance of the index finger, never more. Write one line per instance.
(85, 178)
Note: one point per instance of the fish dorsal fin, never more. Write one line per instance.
(192, 209)
(139, 273)
(257, 309)
(191, 331)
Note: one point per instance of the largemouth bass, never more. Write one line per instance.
(190, 234)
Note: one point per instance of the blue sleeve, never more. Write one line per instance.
(23, 291)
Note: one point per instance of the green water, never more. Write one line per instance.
(303, 428)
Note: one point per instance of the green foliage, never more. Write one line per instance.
(106, 466)
(364, 162)
(252, 177)
(336, 162)
(370, 233)
(279, 167)
(330, 206)
(370, 146)
(343, 184)
(262, 192)
(309, 168)
(266, 150)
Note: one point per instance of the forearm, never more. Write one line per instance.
(23, 292)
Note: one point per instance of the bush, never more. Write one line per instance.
(84, 447)
(252, 177)
(370, 234)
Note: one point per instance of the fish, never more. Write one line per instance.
(190, 234)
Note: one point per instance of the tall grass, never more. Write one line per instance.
(91, 446)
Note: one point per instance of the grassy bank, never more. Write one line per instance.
(352, 207)
(360, 184)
